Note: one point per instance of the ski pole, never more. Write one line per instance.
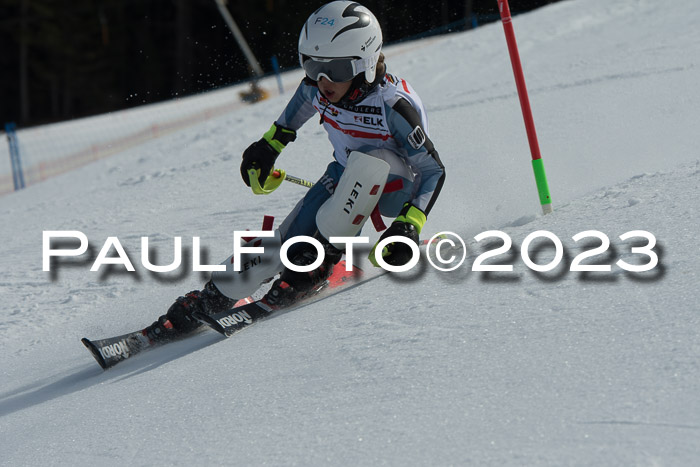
(293, 179)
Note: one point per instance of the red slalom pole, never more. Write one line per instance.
(537, 164)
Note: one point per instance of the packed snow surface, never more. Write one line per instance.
(418, 368)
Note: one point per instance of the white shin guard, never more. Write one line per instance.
(254, 270)
(356, 195)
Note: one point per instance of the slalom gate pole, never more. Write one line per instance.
(537, 164)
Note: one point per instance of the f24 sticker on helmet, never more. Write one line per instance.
(325, 21)
(417, 137)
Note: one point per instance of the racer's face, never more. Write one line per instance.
(333, 91)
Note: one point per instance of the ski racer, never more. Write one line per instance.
(369, 115)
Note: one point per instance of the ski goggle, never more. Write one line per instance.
(337, 70)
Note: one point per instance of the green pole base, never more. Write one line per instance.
(542, 186)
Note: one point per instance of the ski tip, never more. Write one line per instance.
(94, 351)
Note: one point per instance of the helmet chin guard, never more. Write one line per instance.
(342, 31)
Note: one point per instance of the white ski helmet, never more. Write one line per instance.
(339, 41)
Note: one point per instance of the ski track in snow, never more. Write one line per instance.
(421, 368)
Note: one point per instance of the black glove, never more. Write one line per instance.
(262, 154)
(397, 253)
(259, 156)
(408, 224)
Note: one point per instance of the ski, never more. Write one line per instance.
(113, 350)
(108, 352)
(231, 321)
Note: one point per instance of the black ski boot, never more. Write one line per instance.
(178, 320)
(292, 285)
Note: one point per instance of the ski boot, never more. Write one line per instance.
(293, 286)
(178, 320)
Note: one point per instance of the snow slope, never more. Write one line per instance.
(422, 368)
